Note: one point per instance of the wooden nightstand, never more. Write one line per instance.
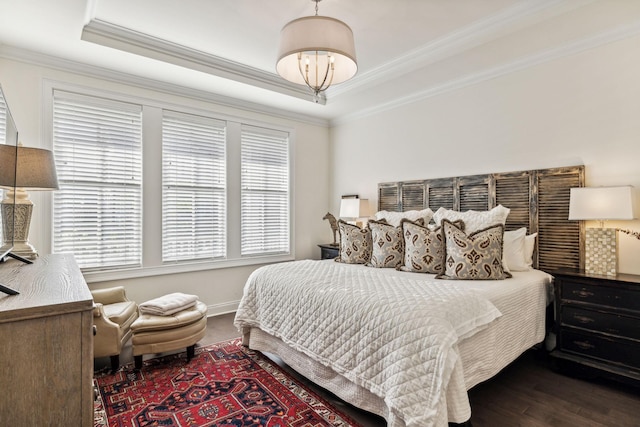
(328, 251)
(598, 322)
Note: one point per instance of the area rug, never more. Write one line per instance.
(225, 384)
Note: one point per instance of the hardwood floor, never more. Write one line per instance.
(526, 393)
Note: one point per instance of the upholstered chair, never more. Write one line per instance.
(113, 315)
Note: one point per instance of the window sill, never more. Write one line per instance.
(182, 267)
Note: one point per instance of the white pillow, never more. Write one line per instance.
(395, 218)
(518, 249)
(474, 220)
(513, 256)
(529, 246)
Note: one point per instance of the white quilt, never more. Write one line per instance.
(389, 333)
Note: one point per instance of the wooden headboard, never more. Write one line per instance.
(538, 199)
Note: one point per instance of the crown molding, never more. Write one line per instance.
(456, 42)
(43, 60)
(519, 64)
(125, 39)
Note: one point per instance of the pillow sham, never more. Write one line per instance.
(529, 247)
(395, 218)
(423, 247)
(513, 250)
(387, 245)
(474, 220)
(355, 244)
(518, 250)
(474, 256)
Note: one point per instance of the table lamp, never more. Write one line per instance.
(353, 208)
(35, 170)
(601, 204)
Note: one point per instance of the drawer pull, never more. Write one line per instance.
(583, 319)
(585, 345)
(583, 294)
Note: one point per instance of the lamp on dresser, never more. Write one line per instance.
(602, 204)
(35, 170)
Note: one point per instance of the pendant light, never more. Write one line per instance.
(317, 51)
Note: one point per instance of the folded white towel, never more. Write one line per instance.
(168, 304)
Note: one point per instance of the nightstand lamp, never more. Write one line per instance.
(353, 209)
(601, 204)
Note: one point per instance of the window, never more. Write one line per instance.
(148, 188)
(193, 187)
(98, 209)
(264, 196)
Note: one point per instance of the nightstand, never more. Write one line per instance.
(329, 251)
(598, 322)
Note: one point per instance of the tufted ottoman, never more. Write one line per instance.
(159, 333)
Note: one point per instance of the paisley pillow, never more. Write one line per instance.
(355, 244)
(387, 245)
(423, 247)
(477, 256)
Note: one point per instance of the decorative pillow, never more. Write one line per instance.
(395, 218)
(355, 244)
(476, 256)
(423, 247)
(474, 220)
(529, 247)
(513, 250)
(387, 245)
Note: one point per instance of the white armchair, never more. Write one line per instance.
(113, 315)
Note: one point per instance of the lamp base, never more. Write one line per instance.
(601, 251)
(24, 250)
(17, 224)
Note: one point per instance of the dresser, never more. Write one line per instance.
(46, 344)
(598, 322)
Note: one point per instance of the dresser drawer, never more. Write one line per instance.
(602, 322)
(611, 350)
(601, 295)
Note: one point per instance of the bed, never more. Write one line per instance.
(407, 345)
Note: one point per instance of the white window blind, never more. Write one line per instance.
(194, 187)
(97, 211)
(3, 131)
(3, 119)
(265, 186)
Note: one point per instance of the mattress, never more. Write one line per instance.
(475, 353)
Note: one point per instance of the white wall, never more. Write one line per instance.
(220, 289)
(581, 109)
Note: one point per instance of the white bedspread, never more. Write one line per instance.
(392, 333)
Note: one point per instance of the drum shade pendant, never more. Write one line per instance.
(316, 51)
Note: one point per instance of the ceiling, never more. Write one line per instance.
(226, 49)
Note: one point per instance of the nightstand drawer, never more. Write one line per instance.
(601, 295)
(611, 350)
(602, 322)
(329, 251)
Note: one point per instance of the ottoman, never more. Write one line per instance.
(157, 334)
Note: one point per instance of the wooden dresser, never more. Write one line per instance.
(46, 344)
(598, 322)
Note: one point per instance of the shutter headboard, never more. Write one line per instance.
(538, 199)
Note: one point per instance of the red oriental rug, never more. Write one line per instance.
(225, 384)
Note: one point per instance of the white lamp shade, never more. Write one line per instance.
(354, 208)
(601, 203)
(320, 34)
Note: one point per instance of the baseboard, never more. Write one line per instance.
(223, 308)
